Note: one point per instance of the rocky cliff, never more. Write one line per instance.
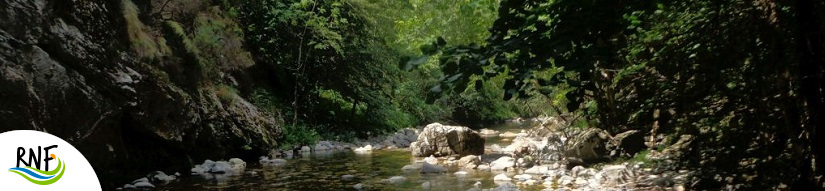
(69, 68)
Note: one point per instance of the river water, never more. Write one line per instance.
(324, 171)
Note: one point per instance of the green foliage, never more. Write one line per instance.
(688, 67)
(227, 94)
(220, 40)
(297, 135)
(139, 35)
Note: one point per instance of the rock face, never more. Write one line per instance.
(443, 140)
(67, 68)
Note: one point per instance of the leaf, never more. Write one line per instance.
(413, 63)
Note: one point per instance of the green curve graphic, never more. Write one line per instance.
(45, 182)
(51, 172)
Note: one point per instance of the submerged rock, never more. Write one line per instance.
(431, 168)
(443, 140)
(265, 161)
(395, 180)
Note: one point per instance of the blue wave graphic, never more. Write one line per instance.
(31, 173)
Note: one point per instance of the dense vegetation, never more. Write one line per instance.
(744, 78)
(330, 68)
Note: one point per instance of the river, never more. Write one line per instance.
(324, 171)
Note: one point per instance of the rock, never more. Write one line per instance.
(588, 146)
(347, 177)
(523, 177)
(144, 179)
(425, 185)
(431, 159)
(469, 161)
(161, 178)
(443, 140)
(364, 149)
(627, 144)
(237, 164)
(502, 163)
(144, 185)
(507, 186)
(129, 186)
(395, 180)
(502, 177)
(521, 146)
(74, 72)
(265, 161)
(538, 170)
(612, 175)
(306, 149)
(358, 186)
(495, 148)
(431, 168)
(410, 167)
(221, 167)
(508, 135)
(530, 182)
(483, 167)
(488, 132)
(460, 173)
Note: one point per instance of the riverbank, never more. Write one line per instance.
(386, 162)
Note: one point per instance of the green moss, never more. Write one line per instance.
(182, 46)
(141, 41)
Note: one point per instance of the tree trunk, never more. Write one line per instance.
(809, 46)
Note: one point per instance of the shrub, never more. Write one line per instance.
(227, 94)
(139, 35)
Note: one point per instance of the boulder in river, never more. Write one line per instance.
(588, 146)
(442, 140)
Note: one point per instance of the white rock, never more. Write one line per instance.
(395, 180)
(237, 164)
(431, 168)
(488, 132)
(508, 135)
(501, 177)
(410, 167)
(523, 177)
(358, 186)
(162, 178)
(221, 167)
(144, 185)
(483, 167)
(580, 181)
(460, 173)
(144, 179)
(530, 182)
(306, 149)
(539, 170)
(502, 163)
(129, 186)
(347, 177)
(431, 160)
(477, 184)
(364, 149)
(425, 185)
